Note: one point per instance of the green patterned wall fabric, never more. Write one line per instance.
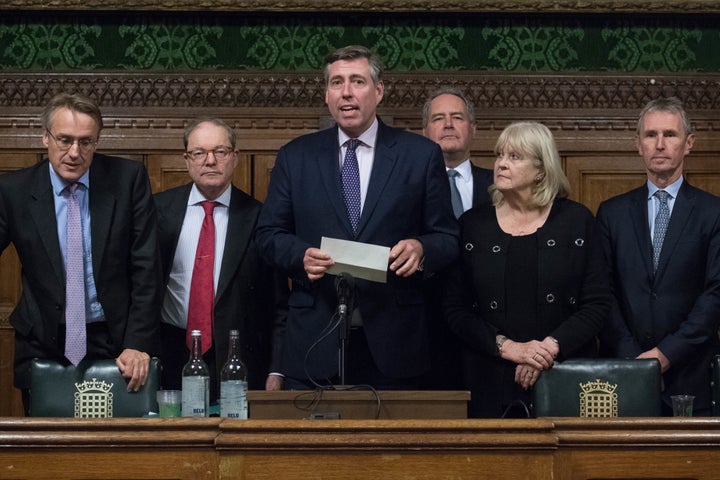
(131, 41)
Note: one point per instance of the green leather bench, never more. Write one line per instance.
(92, 389)
(599, 388)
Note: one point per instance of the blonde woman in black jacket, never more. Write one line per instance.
(531, 286)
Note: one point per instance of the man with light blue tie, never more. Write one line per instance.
(83, 225)
(449, 120)
(662, 243)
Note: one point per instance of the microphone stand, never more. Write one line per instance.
(345, 295)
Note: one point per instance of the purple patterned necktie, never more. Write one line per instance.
(350, 175)
(75, 335)
(661, 223)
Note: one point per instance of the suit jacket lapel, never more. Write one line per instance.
(383, 164)
(639, 220)
(328, 167)
(239, 232)
(682, 209)
(172, 221)
(102, 206)
(42, 209)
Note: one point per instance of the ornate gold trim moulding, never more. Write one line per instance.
(584, 6)
(403, 92)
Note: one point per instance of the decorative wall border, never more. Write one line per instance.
(403, 91)
(519, 6)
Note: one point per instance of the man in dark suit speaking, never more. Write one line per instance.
(83, 225)
(662, 242)
(371, 183)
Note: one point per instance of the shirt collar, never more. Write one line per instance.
(464, 169)
(59, 184)
(367, 137)
(672, 189)
(197, 197)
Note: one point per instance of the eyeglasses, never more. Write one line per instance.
(220, 154)
(64, 143)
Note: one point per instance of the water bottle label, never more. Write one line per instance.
(195, 396)
(233, 399)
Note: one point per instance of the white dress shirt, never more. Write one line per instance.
(177, 293)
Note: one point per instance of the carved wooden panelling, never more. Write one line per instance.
(593, 118)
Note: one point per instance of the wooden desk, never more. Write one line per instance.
(213, 448)
(358, 404)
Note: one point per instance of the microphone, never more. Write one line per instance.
(343, 288)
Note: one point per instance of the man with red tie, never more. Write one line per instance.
(215, 281)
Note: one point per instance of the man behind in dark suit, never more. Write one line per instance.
(448, 118)
(405, 203)
(246, 290)
(121, 270)
(670, 311)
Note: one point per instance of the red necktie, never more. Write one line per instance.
(202, 286)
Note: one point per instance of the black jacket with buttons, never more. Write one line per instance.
(572, 296)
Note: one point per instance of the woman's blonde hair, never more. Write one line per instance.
(533, 139)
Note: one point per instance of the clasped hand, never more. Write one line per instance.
(532, 358)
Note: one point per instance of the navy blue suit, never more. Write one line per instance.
(408, 197)
(677, 309)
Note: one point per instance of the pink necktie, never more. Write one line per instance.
(202, 286)
(75, 335)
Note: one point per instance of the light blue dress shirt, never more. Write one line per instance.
(93, 309)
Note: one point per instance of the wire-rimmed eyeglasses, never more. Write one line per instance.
(64, 143)
(220, 154)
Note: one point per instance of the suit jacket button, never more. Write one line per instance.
(550, 298)
(493, 305)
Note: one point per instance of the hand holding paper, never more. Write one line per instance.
(406, 257)
(361, 260)
(316, 263)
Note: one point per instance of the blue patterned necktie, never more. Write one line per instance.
(350, 176)
(75, 334)
(661, 223)
(455, 193)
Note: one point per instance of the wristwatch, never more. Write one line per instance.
(499, 341)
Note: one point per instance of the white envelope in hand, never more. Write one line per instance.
(361, 260)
